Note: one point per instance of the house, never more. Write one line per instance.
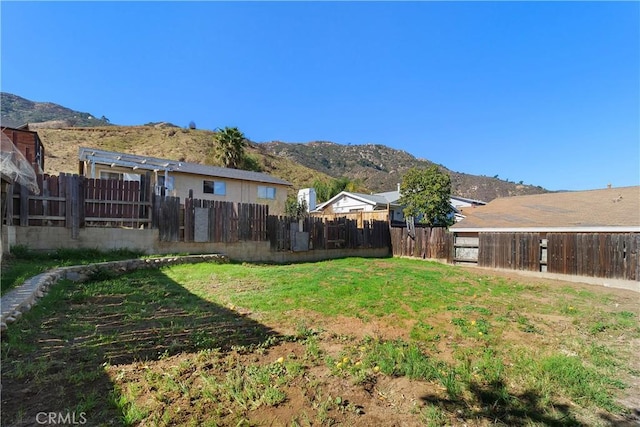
(604, 210)
(29, 144)
(176, 178)
(348, 202)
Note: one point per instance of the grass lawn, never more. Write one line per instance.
(342, 342)
(24, 263)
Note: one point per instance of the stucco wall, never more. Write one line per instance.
(51, 238)
(236, 191)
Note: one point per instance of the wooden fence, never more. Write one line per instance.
(215, 221)
(290, 234)
(516, 251)
(609, 255)
(606, 255)
(427, 243)
(209, 220)
(74, 201)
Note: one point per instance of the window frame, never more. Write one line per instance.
(215, 187)
(266, 192)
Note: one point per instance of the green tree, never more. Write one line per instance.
(426, 194)
(327, 189)
(229, 147)
(295, 208)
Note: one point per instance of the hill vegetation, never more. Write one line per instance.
(163, 141)
(17, 111)
(381, 168)
(375, 168)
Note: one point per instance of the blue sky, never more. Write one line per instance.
(547, 93)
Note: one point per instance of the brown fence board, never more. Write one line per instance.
(167, 218)
(607, 255)
(430, 243)
(68, 200)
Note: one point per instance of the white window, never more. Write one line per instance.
(120, 176)
(218, 188)
(266, 192)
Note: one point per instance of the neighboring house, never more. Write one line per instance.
(348, 202)
(29, 144)
(606, 210)
(592, 233)
(463, 205)
(175, 178)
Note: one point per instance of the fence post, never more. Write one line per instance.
(24, 206)
(9, 205)
(76, 203)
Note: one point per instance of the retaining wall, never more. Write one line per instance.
(147, 241)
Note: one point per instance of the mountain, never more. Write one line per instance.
(377, 168)
(17, 111)
(381, 168)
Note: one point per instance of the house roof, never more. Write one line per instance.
(372, 199)
(391, 197)
(382, 199)
(610, 209)
(156, 164)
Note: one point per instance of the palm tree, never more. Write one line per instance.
(230, 143)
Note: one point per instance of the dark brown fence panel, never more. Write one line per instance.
(632, 257)
(427, 242)
(316, 228)
(228, 222)
(328, 233)
(112, 202)
(515, 251)
(279, 232)
(74, 201)
(166, 218)
(608, 255)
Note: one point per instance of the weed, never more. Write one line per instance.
(450, 382)
(423, 332)
(598, 327)
(398, 358)
(433, 416)
(203, 339)
(312, 349)
(583, 384)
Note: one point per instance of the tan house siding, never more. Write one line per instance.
(237, 191)
(240, 186)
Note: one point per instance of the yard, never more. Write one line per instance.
(354, 342)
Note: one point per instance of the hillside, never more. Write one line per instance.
(16, 111)
(381, 168)
(164, 141)
(377, 167)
